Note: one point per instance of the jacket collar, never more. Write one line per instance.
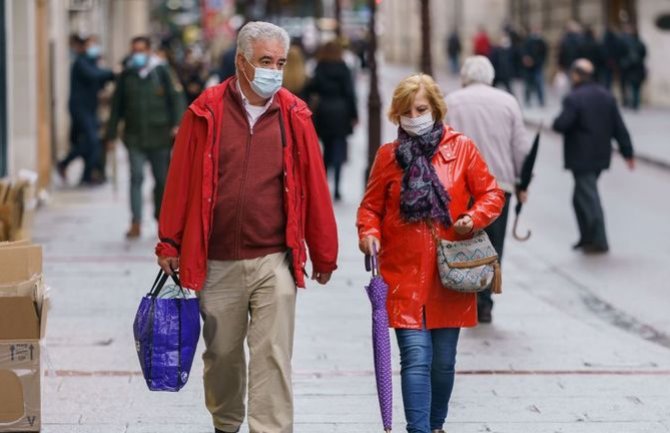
(209, 103)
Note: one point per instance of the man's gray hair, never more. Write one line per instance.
(477, 69)
(257, 31)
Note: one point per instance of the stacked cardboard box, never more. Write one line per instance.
(23, 313)
(17, 202)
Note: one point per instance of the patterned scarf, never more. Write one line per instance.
(422, 195)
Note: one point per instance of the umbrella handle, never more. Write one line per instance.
(374, 261)
(514, 231)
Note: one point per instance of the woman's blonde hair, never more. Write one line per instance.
(295, 76)
(406, 90)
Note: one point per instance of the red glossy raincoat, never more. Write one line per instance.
(191, 189)
(408, 256)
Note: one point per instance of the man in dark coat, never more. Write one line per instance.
(568, 50)
(502, 58)
(612, 51)
(534, 55)
(453, 52)
(588, 122)
(86, 81)
(633, 71)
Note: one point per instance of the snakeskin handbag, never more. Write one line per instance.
(470, 265)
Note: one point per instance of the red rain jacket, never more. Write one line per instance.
(407, 257)
(188, 201)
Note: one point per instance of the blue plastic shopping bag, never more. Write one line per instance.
(167, 329)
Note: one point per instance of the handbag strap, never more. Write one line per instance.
(160, 281)
(474, 263)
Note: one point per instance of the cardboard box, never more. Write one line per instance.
(23, 314)
(17, 206)
(20, 399)
(22, 326)
(19, 262)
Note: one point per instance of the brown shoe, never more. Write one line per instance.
(134, 231)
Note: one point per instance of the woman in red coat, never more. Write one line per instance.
(430, 178)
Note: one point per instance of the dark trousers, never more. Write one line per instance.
(631, 89)
(84, 142)
(159, 159)
(607, 77)
(334, 156)
(496, 232)
(505, 83)
(534, 84)
(589, 211)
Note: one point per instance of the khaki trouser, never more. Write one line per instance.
(252, 299)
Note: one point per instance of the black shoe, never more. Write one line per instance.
(484, 313)
(595, 249)
(579, 245)
(216, 430)
(338, 197)
(61, 169)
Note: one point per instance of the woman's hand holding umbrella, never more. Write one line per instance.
(369, 244)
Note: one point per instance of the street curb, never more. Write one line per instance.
(646, 159)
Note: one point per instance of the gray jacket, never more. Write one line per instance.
(492, 119)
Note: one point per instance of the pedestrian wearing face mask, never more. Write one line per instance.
(149, 100)
(246, 195)
(430, 182)
(86, 81)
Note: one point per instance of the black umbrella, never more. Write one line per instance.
(526, 177)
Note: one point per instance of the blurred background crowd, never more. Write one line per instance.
(51, 48)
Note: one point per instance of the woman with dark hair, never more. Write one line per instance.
(333, 100)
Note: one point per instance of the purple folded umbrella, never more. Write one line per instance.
(377, 292)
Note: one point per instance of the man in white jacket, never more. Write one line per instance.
(493, 119)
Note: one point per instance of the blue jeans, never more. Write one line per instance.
(427, 360)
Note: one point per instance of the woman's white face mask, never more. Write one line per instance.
(417, 126)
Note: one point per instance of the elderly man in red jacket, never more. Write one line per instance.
(246, 194)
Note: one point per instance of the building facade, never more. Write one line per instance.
(400, 27)
(35, 71)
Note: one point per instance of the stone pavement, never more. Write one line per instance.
(546, 364)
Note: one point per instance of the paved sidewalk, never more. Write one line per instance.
(547, 364)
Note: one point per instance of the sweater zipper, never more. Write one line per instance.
(240, 207)
(215, 179)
